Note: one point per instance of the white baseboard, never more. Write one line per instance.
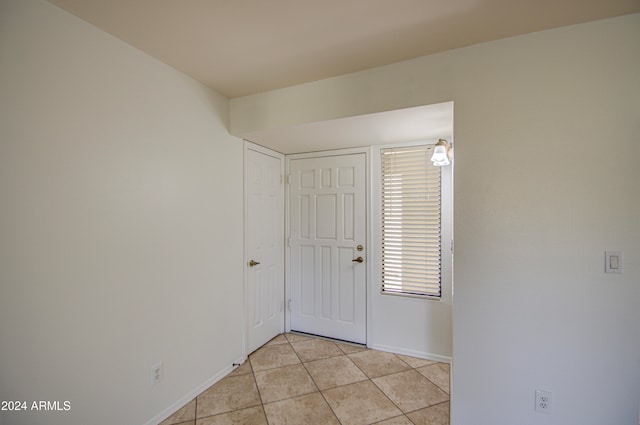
(192, 394)
(412, 353)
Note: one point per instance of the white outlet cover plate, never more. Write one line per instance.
(156, 373)
(543, 401)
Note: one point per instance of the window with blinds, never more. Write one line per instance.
(411, 222)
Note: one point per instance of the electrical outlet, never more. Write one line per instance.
(543, 401)
(157, 373)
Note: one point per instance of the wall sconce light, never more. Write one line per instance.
(440, 155)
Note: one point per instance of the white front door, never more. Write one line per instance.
(264, 245)
(328, 229)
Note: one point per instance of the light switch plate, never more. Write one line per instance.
(613, 262)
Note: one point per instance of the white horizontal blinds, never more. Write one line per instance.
(410, 222)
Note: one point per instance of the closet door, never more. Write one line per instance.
(264, 224)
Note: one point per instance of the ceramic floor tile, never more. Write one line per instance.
(231, 393)
(243, 369)
(350, 348)
(438, 374)
(280, 339)
(284, 382)
(415, 362)
(296, 337)
(315, 349)
(334, 372)
(360, 403)
(410, 390)
(184, 414)
(434, 415)
(250, 416)
(358, 386)
(398, 420)
(378, 363)
(272, 356)
(307, 409)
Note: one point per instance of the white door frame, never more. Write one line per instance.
(287, 258)
(247, 145)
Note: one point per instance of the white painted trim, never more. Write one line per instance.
(334, 152)
(250, 145)
(287, 248)
(369, 235)
(417, 354)
(193, 394)
(245, 244)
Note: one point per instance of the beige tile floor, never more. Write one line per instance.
(300, 380)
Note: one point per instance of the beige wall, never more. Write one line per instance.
(120, 224)
(547, 131)
(121, 218)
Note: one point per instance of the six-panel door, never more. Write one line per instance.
(328, 223)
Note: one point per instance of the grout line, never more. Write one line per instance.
(385, 394)
(439, 387)
(255, 381)
(398, 357)
(330, 408)
(290, 398)
(295, 352)
(393, 417)
(356, 365)
(431, 405)
(195, 414)
(321, 393)
(314, 383)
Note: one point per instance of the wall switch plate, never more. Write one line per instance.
(543, 401)
(613, 261)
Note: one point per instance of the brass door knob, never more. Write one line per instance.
(253, 263)
(358, 260)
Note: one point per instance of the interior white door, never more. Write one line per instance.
(328, 223)
(264, 245)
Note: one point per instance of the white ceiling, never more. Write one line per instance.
(243, 47)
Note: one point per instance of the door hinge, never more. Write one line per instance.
(289, 242)
(452, 246)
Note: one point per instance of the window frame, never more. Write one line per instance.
(446, 226)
